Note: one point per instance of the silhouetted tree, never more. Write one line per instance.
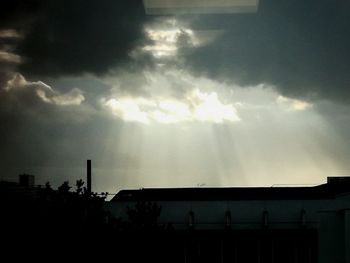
(79, 185)
(66, 211)
(64, 188)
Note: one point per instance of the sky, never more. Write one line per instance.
(206, 97)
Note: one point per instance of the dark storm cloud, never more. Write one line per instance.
(4, 77)
(63, 37)
(301, 47)
(19, 14)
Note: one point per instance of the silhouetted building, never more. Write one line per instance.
(18, 203)
(23, 190)
(26, 180)
(247, 224)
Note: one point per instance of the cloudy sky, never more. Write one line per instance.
(175, 97)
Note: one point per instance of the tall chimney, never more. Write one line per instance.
(88, 179)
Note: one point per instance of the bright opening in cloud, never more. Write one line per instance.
(209, 108)
(293, 104)
(195, 106)
(166, 41)
(127, 109)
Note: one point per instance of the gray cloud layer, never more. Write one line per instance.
(41, 128)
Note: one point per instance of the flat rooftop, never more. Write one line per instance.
(330, 190)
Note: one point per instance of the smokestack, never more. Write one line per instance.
(88, 177)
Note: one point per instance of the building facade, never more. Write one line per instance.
(275, 224)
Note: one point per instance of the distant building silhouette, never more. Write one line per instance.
(23, 190)
(263, 224)
(26, 180)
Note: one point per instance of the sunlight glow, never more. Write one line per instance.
(209, 108)
(247, 130)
